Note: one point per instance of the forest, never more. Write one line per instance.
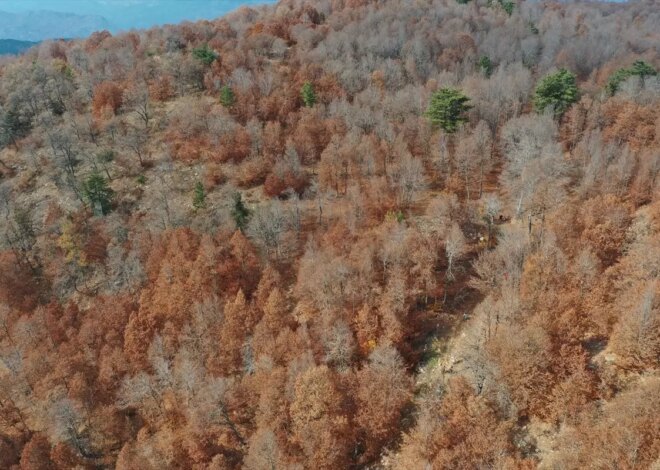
(336, 234)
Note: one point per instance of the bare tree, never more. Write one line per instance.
(339, 345)
(466, 158)
(263, 452)
(66, 424)
(491, 209)
(136, 99)
(454, 248)
(137, 140)
(267, 227)
(409, 179)
(483, 138)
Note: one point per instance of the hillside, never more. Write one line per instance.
(335, 235)
(12, 46)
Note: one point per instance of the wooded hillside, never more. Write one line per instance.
(336, 234)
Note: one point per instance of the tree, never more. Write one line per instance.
(557, 91)
(227, 97)
(507, 6)
(446, 109)
(199, 196)
(454, 248)
(533, 157)
(65, 424)
(319, 422)
(240, 212)
(643, 69)
(483, 138)
(308, 95)
(486, 65)
(205, 54)
(263, 453)
(107, 96)
(13, 126)
(408, 179)
(464, 430)
(636, 337)
(137, 140)
(268, 227)
(467, 157)
(639, 68)
(98, 194)
(491, 208)
(104, 158)
(137, 99)
(383, 391)
(21, 236)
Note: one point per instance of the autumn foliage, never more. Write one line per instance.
(375, 252)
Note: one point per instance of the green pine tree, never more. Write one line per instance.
(199, 196)
(227, 97)
(239, 212)
(98, 194)
(639, 69)
(446, 109)
(616, 79)
(557, 91)
(308, 95)
(204, 54)
(508, 6)
(486, 65)
(642, 69)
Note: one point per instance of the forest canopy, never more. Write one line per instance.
(335, 234)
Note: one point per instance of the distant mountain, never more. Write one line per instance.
(43, 24)
(122, 14)
(13, 46)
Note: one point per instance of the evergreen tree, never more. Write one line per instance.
(642, 69)
(239, 212)
(98, 194)
(446, 109)
(205, 54)
(199, 196)
(639, 69)
(12, 127)
(308, 95)
(486, 65)
(508, 6)
(558, 91)
(227, 97)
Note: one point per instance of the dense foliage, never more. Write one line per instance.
(245, 243)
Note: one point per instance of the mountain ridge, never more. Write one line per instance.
(15, 46)
(38, 25)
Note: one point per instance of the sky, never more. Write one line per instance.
(127, 14)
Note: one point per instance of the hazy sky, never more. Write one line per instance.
(126, 14)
